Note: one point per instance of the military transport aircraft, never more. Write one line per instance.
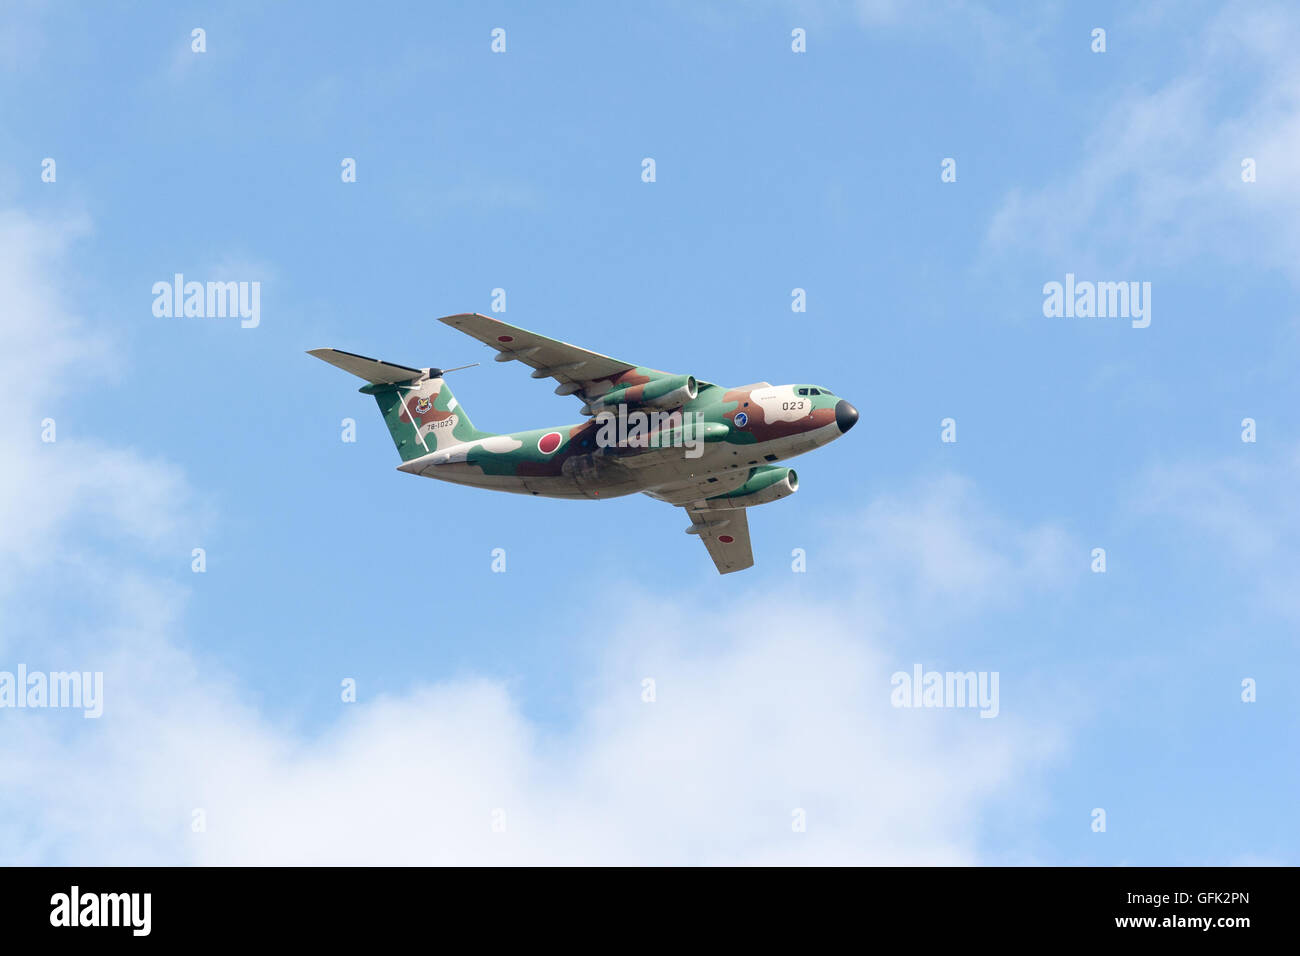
(700, 446)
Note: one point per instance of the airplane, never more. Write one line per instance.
(703, 447)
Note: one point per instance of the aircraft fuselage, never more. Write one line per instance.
(736, 430)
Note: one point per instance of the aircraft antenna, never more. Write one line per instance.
(440, 372)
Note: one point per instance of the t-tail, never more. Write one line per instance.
(418, 406)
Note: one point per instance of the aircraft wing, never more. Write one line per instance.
(574, 368)
(725, 534)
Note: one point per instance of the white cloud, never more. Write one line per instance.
(42, 339)
(1160, 176)
(789, 711)
(943, 544)
(50, 368)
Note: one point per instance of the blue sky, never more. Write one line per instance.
(775, 170)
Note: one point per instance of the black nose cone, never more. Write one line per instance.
(846, 416)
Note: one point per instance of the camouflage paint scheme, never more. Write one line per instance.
(745, 430)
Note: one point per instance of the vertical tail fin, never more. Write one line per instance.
(418, 406)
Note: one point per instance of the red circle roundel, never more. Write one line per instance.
(505, 338)
(726, 538)
(549, 442)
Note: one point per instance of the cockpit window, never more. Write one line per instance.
(803, 391)
(814, 391)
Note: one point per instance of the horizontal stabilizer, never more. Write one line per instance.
(375, 371)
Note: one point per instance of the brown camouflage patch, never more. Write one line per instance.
(420, 411)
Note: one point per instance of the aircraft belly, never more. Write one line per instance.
(554, 488)
(462, 474)
(581, 478)
(544, 487)
(602, 476)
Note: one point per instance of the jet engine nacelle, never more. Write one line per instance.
(667, 391)
(768, 483)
